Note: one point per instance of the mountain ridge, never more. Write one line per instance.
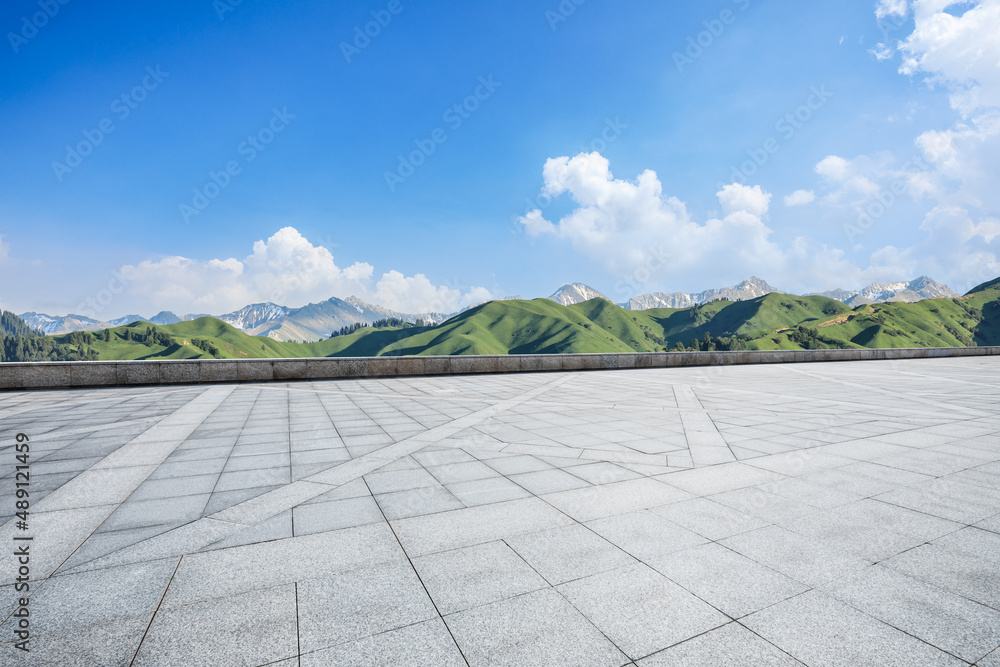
(573, 293)
(316, 321)
(750, 288)
(908, 292)
(775, 321)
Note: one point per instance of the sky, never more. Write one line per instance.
(201, 155)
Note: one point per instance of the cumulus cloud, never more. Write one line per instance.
(285, 269)
(960, 52)
(626, 225)
(735, 198)
(850, 180)
(955, 245)
(834, 168)
(631, 227)
(636, 231)
(954, 47)
(535, 224)
(417, 294)
(800, 197)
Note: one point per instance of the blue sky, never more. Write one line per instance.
(460, 227)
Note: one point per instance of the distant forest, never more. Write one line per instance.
(19, 342)
(388, 322)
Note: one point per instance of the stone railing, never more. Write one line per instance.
(65, 374)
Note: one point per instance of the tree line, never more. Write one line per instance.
(19, 342)
(385, 323)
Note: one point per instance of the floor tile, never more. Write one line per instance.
(464, 578)
(731, 583)
(819, 630)
(539, 628)
(359, 604)
(568, 553)
(640, 610)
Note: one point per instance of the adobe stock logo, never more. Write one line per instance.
(455, 116)
(122, 106)
(787, 126)
(30, 25)
(565, 9)
(250, 148)
(223, 7)
(363, 35)
(698, 44)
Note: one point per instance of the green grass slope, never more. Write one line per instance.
(539, 326)
(962, 322)
(988, 285)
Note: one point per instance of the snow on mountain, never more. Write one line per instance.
(572, 293)
(748, 289)
(317, 321)
(255, 315)
(911, 292)
(127, 319)
(59, 325)
(314, 321)
(369, 308)
(39, 321)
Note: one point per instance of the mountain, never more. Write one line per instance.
(50, 324)
(127, 319)
(748, 289)
(988, 285)
(315, 321)
(911, 292)
(567, 295)
(55, 325)
(254, 316)
(541, 326)
(166, 317)
(19, 342)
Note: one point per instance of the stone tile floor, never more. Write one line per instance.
(816, 514)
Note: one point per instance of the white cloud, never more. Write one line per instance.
(285, 269)
(850, 179)
(800, 197)
(955, 47)
(627, 225)
(417, 294)
(834, 168)
(881, 51)
(955, 227)
(959, 52)
(535, 224)
(955, 247)
(736, 197)
(633, 230)
(647, 238)
(891, 8)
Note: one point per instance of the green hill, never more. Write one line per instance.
(540, 326)
(19, 342)
(989, 285)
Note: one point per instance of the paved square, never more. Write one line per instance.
(816, 514)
